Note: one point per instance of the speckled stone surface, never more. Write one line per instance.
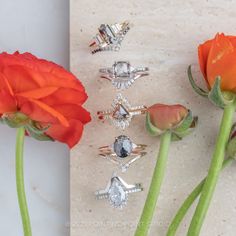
(164, 37)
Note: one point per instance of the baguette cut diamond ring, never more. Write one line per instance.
(109, 37)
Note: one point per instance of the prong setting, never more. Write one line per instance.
(121, 113)
(109, 37)
(117, 192)
(123, 152)
(122, 74)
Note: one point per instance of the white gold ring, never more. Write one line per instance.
(122, 74)
(117, 191)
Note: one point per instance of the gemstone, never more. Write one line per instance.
(106, 31)
(120, 112)
(117, 194)
(122, 69)
(123, 146)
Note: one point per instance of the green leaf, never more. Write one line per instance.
(1, 120)
(152, 130)
(11, 123)
(38, 136)
(186, 123)
(184, 133)
(195, 87)
(175, 137)
(33, 126)
(231, 148)
(216, 95)
(188, 127)
(15, 120)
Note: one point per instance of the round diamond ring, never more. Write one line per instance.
(117, 191)
(123, 152)
(122, 74)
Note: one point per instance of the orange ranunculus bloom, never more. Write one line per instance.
(217, 57)
(166, 117)
(46, 93)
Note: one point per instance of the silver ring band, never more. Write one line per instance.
(122, 74)
(117, 191)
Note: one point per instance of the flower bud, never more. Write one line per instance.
(176, 118)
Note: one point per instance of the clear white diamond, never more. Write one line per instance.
(122, 69)
(117, 195)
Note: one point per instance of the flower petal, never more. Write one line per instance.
(203, 51)
(38, 93)
(166, 117)
(221, 62)
(20, 79)
(41, 112)
(7, 99)
(7, 102)
(72, 111)
(53, 74)
(232, 40)
(69, 135)
(65, 96)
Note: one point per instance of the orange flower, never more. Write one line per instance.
(166, 117)
(217, 57)
(46, 93)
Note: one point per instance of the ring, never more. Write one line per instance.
(109, 37)
(122, 112)
(122, 75)
(121, 149)
(117, 191)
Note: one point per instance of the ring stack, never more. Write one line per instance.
(122, 74)
(109, 37)
(117, 191)
(122, 112)
(122, 152)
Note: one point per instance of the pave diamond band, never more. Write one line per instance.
(109, 37)
(123, 152)
(117, 191)
(122, 112)
(122, 74)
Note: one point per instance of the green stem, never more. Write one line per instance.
(213, 172)
(20, 181)
(155, 186)
(188, 203)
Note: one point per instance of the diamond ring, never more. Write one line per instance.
(117, 191)
(123, 149)
(122, 75)
(122, 112)
(109, 37)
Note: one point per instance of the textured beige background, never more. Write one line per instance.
(164, 37)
